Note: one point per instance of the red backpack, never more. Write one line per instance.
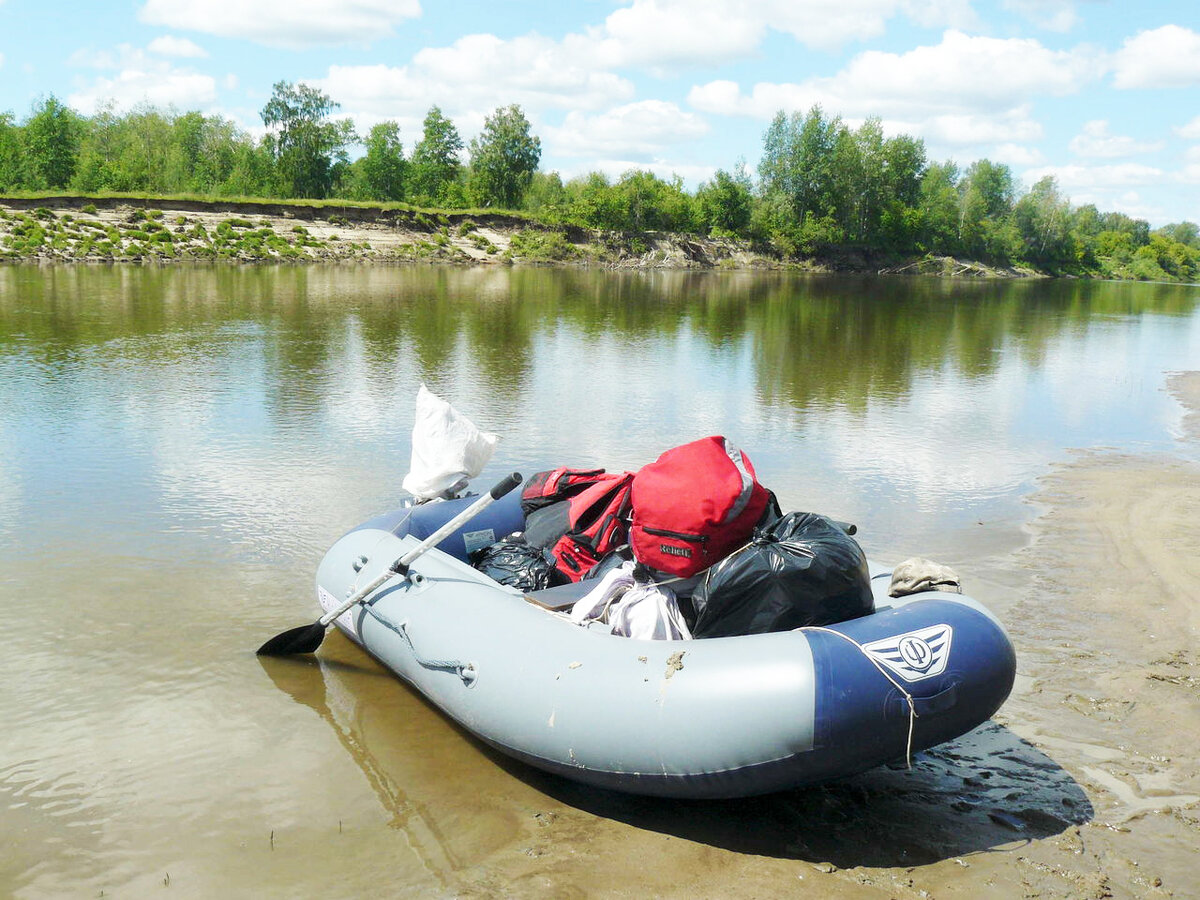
(553, 485)
(694, 505)
(598, 523)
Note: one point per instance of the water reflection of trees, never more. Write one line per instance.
(814, 340)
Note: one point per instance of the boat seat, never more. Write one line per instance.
(562, 596)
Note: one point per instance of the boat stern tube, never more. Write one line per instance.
(952, 659)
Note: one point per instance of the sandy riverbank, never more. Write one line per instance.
(91, 229)
(86, 229)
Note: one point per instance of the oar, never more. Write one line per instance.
(307, 638)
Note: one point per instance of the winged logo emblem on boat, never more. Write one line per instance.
(914, 655)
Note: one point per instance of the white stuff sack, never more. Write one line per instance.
(648, 612)
(446, 448)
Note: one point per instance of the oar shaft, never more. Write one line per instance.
(400, 566)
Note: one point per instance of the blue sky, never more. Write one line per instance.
(1102, 94)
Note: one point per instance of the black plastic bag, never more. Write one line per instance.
(800, 570)
(514, 562)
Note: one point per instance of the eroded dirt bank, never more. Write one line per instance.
(88, 229)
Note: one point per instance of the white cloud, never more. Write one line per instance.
(1190, 131)
(284, 23)
(828, 24)
(1096, 141)
(1165, 57)
(1053, 15)
(968, 129)
(964, 91)
(167, 45)
(1106, 177)
(665, 33)
(692, 175)
(472, 77)
(139, 78)
(640, 129)
(1017, 155)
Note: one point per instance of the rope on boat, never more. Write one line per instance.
(464, 670)
(912, 706)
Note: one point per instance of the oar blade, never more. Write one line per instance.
(304, 639)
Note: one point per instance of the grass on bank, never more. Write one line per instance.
(145, 232)
(166, 200)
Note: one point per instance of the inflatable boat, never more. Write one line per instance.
(705, 718)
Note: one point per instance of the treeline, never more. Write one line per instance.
(821, 186)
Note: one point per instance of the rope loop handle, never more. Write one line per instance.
(464, 670)
(912, 703)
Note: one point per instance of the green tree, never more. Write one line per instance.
(503, 158)
(1085, 228)
(939, 208)
(595, 204)
(985, 203)
(1137, 229)
(99, 152)
(251, 172)
(547, 197)
(383, 166)
(221, 141)
(12, 168)
(1184, 232)
(1043, 219)
(904, 166)
(52, 136)
(649, 203)
(304, 143)
(726, 203)
(435, 163)
(801, 171)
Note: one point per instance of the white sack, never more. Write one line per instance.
(446, 447)
(649, 612)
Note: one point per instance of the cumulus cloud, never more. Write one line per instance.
(1096, 141)
(1190, 131)
(167, 45)
(615, 167)
(138, 77)
(472, 77)
(964, 90)
(1081, 177)
(1191, 171)
(1017, 155)
(284, 23)
(1166, 57)
(1053, 15)
(640, 129)
(669, 33)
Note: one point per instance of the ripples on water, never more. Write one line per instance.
(179, 446)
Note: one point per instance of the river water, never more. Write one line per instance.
(178, 447)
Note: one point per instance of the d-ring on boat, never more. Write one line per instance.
(711, 718)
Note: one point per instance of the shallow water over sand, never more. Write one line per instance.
(179, 446)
